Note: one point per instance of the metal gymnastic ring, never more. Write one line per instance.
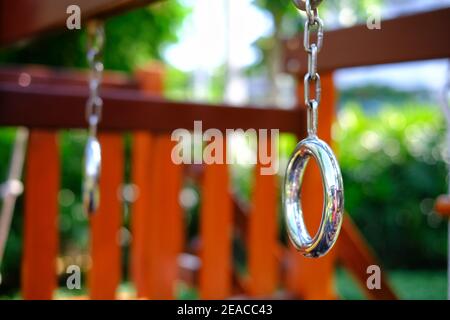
(333, 205)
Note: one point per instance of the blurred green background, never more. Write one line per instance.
(391, 153)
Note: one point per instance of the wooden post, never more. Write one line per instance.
(216, 233)
(157, 222)
(314, 278)
(105, 273)
(150, 80)
(40, 246)
(263, 233)
(164, 233)
(141, 175)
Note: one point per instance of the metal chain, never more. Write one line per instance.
(313, 24)
(95, 45)
(301, 4)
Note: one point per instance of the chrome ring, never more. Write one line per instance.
(333, 206)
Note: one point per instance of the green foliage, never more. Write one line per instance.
(132, 39)
(73, 224)
(393, 170)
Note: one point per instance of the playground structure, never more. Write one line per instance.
(54, 100)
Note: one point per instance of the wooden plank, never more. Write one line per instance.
(105, 272)
(314, 278)
(142, 164)
(356, 256)
(40, 246)
(26, 75)
(58, 107)
(414, 37)
(216, 227)
(23, 19)
(164, 232)
(148, 241)
(263, 234)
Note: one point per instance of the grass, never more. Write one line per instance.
(409, 285)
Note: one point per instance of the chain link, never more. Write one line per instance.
(313, 24)
(95, 45)
(301, 4)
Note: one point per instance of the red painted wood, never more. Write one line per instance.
(142, 164)
(263, 234)
(40, 246)
(216, 227)
(155, 249)
(62, 106)
(164, 228)
(105, 272)
(399, 40)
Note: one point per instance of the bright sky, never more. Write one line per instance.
(204, 36)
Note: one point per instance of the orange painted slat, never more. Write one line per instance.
(40, 245)
(356, 255)
(263, 235)
(150, 80)
(314, 278)
(157, 221)
(163, 222)
(216, 233)
(142, 164)
(105, 272)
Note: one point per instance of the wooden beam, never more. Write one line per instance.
(356, 255)
(25, 75)
(62, 106)
(415, 37)
(23, 19)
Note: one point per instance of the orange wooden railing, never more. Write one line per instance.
(157, 223)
